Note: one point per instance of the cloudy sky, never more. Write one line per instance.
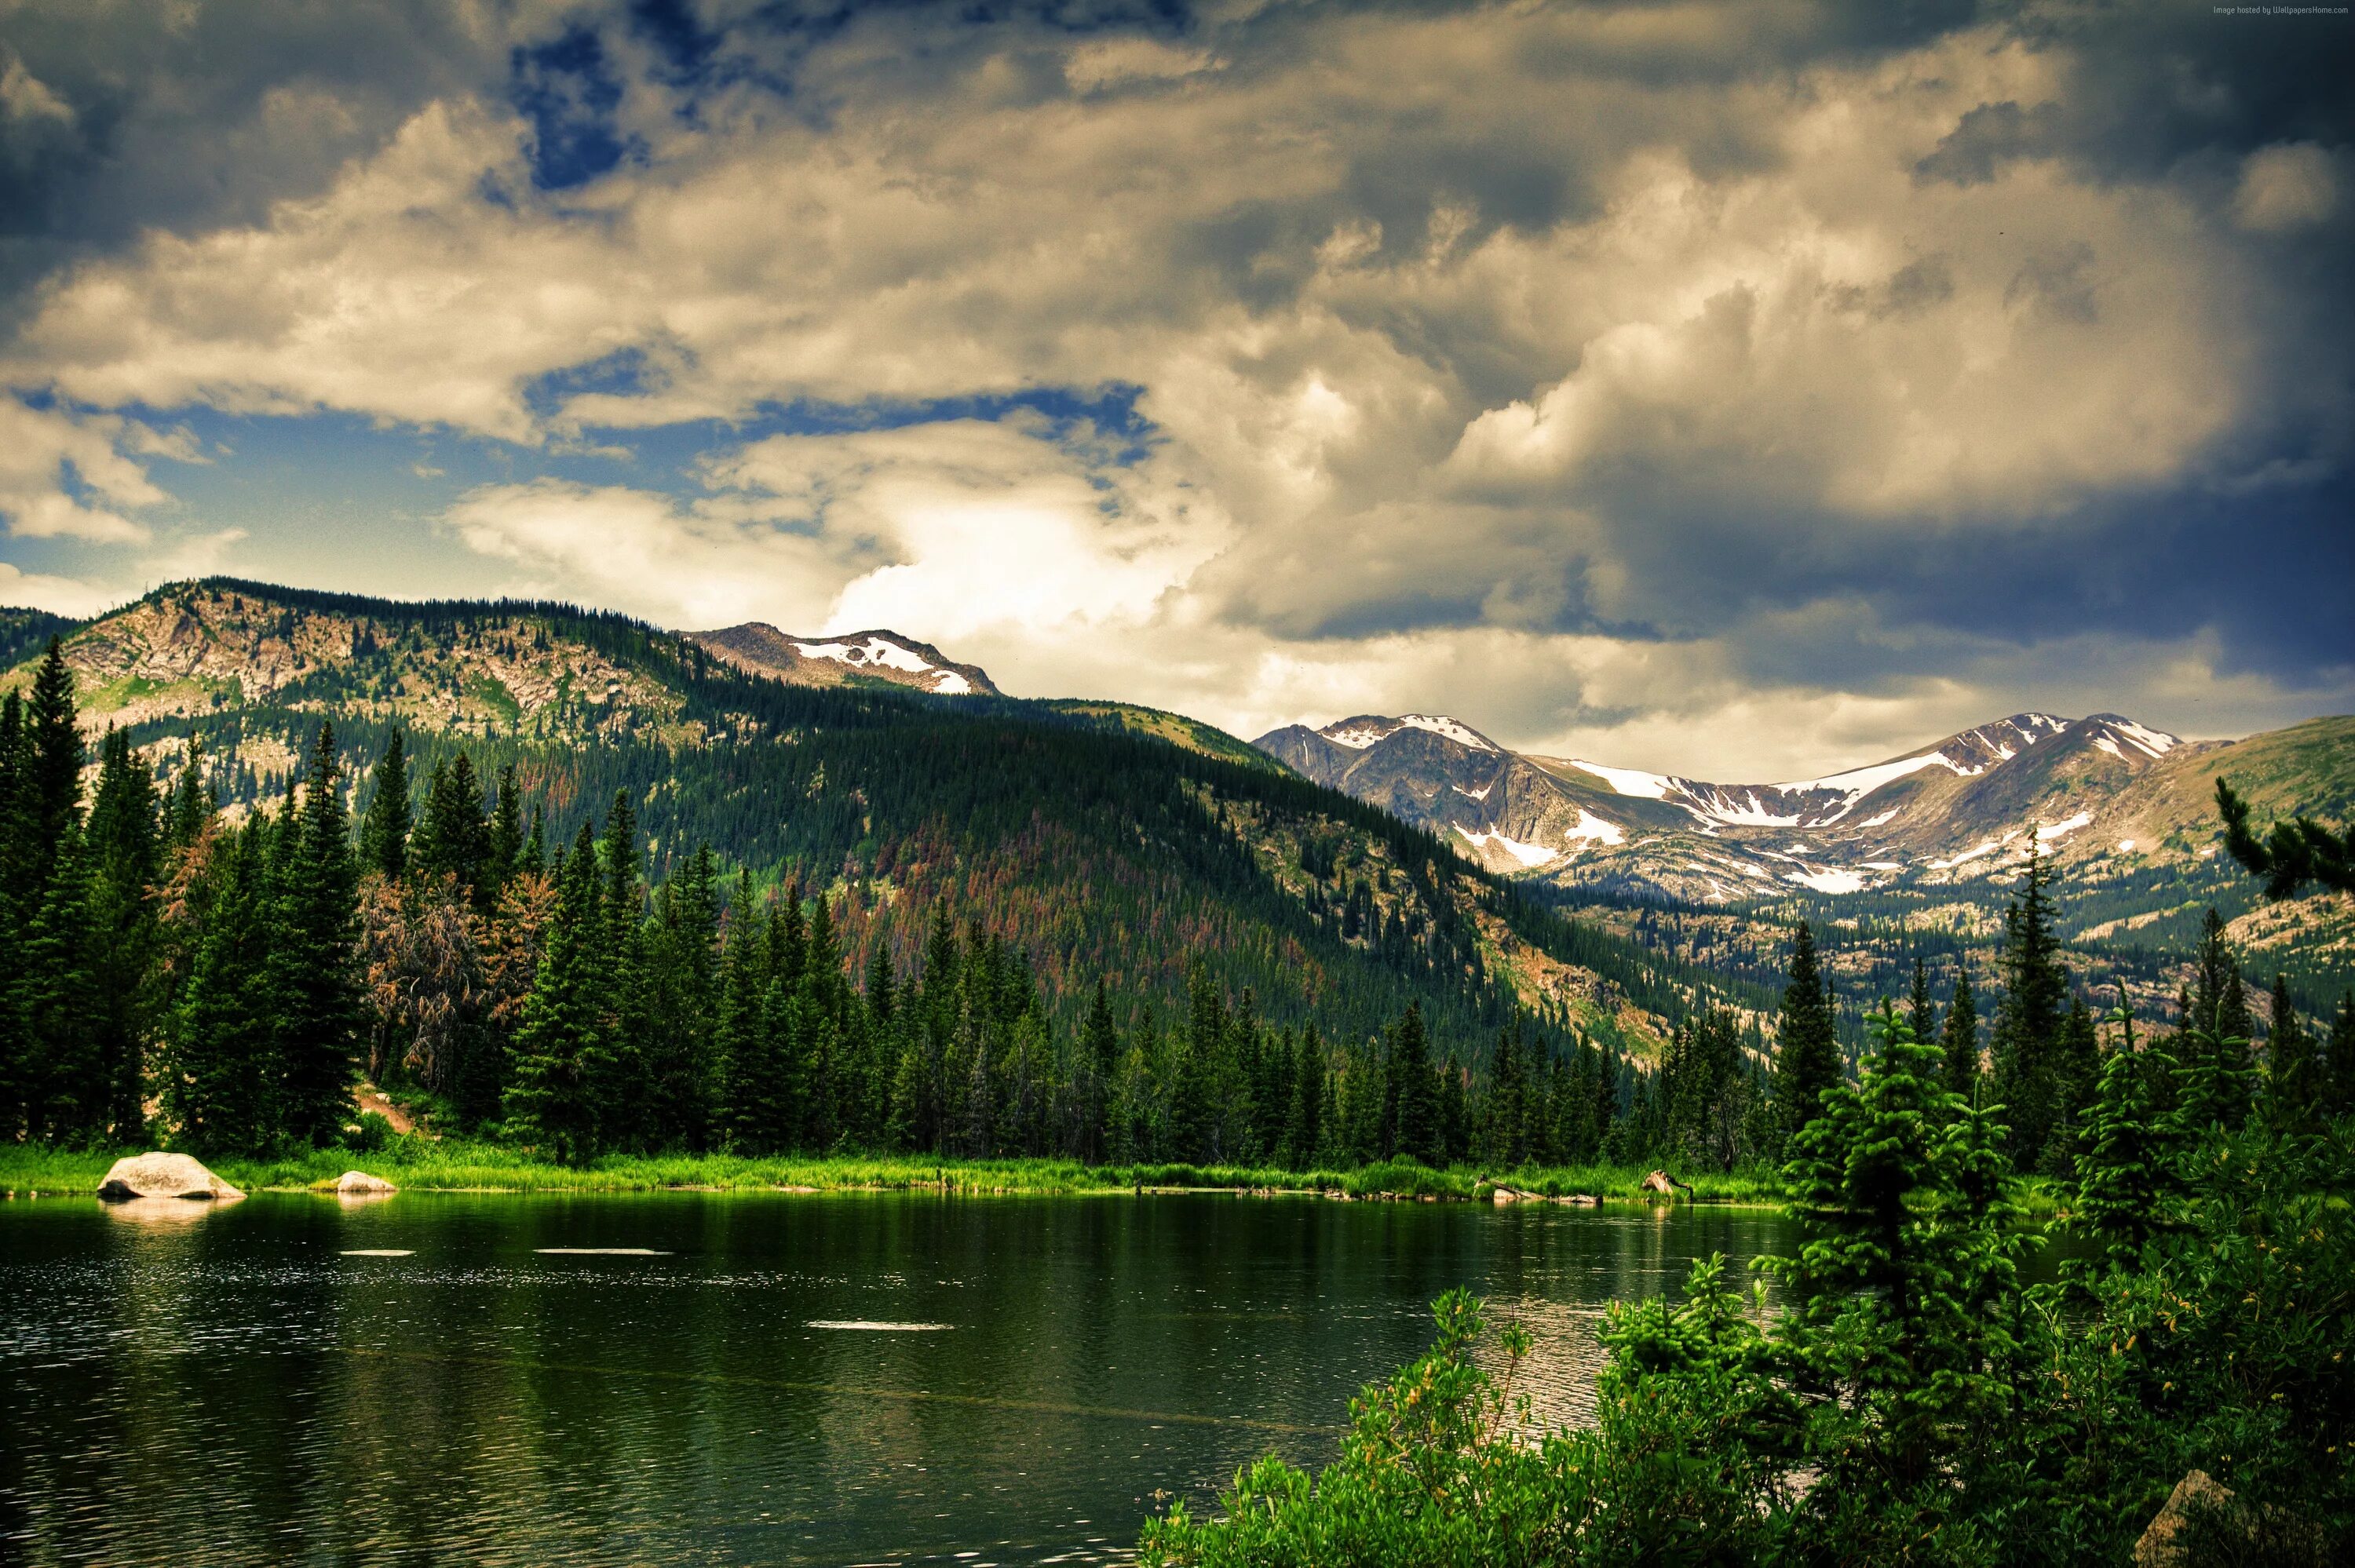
(1737, 389)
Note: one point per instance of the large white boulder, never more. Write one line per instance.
(160, 1175)
(354, 1183)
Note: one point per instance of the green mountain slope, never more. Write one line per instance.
(1099, 839)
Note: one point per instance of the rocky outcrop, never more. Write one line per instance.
(2202, 1516)
(160, 1175)
(359, 1183)
(2162, 1544)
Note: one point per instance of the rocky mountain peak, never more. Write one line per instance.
(852, 658)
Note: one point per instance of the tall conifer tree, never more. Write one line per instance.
(315, 953)
(1807, 1047)
(2028, 1018)
(1960, 1037)
(124, 854)
(559, 1048)
(384, 830)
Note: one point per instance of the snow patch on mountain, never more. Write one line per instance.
(1630, 781)
(1602, 830)
(877, 651)
(1440, 724)
(2046, 832)
(1862, 781)
(2152, 743)
(1366, 730)
(1827, 881)
(1528, 855)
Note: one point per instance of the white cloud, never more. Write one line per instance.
(58, 595)
(42, 449)
(648, 554)
(1448, 331)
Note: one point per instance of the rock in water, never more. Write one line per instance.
(352, 1182)
(160, 1175)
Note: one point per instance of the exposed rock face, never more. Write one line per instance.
(160, 1175)
(2162, 1545)
(2248, 1534)
(360, 1181)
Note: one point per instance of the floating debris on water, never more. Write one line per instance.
(876, 1327)
(601, 1251)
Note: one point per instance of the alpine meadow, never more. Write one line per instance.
(1330, 787)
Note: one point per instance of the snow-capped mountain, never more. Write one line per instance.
(849, 658)
(1960, 811)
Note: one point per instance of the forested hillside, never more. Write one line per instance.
(1093, 873)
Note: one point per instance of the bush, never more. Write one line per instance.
(369, 1135)
(1915, 1400)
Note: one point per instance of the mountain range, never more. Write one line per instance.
(1106, 834)
(1102, 838)
(2124, 813)
(1953, 815)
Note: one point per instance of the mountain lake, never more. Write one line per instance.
(737, 1378)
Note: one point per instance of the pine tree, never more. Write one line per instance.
(1960, 1038)
(125, 856)
(1455, 1126)
(192, 804)
(622, 1083)
(221, 1077)
(507, 838)
(1100, 1058)
(2076, 1065)
(2340, 1058)
(559, 1048)
(2124, 1176)
(452, 839)
(1920, 1011)
(2294, 1091)
(52, 764)
(1305, 1133)
(1806, 1048)
(1416, 1096)
(2029, 1019)
(384, 829)
(49, 1058)
(2217, 1072)
(1882, 1327)
(1505, 1138)
(315, 984)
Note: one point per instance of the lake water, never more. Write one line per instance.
(774, 1379)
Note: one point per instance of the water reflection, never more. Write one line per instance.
(165, 1211)
(717, 1378)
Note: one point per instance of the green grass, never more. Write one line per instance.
(425, 1164)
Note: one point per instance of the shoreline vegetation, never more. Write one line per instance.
(417, 1163)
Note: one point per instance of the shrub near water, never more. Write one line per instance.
(1913, 1401)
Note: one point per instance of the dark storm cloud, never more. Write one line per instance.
(190, 117)
(1681, 352)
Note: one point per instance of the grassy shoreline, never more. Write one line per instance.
(421, 1164)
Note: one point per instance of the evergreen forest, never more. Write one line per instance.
(225, 978)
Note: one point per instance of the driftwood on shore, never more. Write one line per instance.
(1503, 1194)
